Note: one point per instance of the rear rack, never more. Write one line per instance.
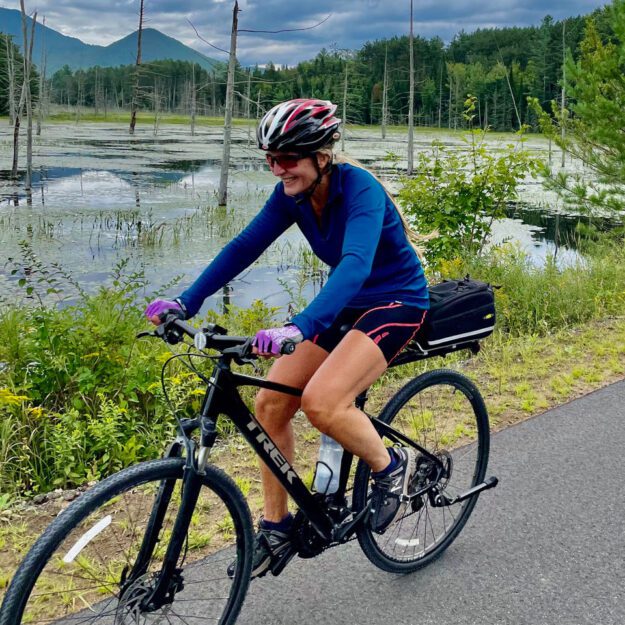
(414, 352)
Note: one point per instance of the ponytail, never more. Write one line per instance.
(413, 238)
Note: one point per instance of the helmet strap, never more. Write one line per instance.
(320, 174)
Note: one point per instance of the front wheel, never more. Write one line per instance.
(93, 563)
(445, 414)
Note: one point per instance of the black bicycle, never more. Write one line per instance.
(152, 543)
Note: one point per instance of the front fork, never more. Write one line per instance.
(169, 580)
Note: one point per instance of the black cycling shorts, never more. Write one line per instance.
(391, 326)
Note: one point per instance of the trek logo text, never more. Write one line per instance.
(278, 459)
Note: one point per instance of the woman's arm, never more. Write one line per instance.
(241, 252)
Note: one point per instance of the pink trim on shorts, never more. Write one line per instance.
(391, 305)
(411, 337)
(397, 325)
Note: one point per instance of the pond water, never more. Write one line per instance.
(100, 196)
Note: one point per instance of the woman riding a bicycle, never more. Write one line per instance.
(376, 287)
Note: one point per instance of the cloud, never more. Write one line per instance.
(352, 22)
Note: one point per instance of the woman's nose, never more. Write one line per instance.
(277, 169)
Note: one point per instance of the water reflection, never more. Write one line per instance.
(107, 185)
(100, 196)
(542, 233)
(560, 229)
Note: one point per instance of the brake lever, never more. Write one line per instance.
(249, 361)
(145, 333)
(246, 357)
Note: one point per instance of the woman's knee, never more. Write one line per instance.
(318, 409)
(274, 409)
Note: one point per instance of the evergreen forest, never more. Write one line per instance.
(500, 67)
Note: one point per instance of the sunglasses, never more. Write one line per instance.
(286, 161)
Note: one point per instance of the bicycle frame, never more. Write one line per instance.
(223, 398)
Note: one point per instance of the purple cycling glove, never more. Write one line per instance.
(159, 306)
(270, 341)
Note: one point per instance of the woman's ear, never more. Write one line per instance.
(323, 160)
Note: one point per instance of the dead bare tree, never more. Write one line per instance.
(193, 101)
(42, 102)
(80, 94)
(213, 94)
(516, 110)
(247, 107)
(156, 97)
(11, 78)
(25, 101)
(385, 94)
(96, 94)
(411, 101)
(440, 95)
(563, 97)
(135, 89)
(222, 195)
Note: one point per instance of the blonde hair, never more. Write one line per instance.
(413, 238)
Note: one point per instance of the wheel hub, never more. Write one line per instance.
(136, 600)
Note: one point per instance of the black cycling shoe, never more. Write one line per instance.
(389, 497)
(269, 546)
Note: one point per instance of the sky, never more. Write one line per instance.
(350, 24)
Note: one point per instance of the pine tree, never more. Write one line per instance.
(594, 119)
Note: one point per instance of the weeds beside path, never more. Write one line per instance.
(518, 378)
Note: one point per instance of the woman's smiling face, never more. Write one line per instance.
(297, 172)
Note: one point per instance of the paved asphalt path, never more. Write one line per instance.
(547, 546)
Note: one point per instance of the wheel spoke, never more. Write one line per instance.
(444, 413)
(87, 586)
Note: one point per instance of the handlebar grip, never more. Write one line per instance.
(187, 328)
(288, 347)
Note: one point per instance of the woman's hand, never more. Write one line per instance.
(268, 343)
(158, 307)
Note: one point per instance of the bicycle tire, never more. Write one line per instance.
(430, 409)
(80, 556)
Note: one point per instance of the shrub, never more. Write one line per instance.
(80, 396)
(457, 194)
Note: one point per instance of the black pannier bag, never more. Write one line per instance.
(461, 312)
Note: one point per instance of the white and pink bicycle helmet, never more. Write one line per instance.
(302, 125)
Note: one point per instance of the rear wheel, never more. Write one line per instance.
(83, 568)
(444, 413)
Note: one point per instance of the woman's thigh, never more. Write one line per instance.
(359, 357)
(353, 366)
(293, 370)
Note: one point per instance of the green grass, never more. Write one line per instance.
(80, 398)
(147, 117)
(143, 117)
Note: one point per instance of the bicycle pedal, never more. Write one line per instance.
(262, 574)
(280, 564)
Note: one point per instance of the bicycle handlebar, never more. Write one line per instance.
(173, 329)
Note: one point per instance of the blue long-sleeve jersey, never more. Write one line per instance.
(361, 237)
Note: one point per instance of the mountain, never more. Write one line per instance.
(62, 50)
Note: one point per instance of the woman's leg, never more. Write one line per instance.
(275, 410)
(355, 364)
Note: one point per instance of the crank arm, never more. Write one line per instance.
(440, 500)
(344, 531)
